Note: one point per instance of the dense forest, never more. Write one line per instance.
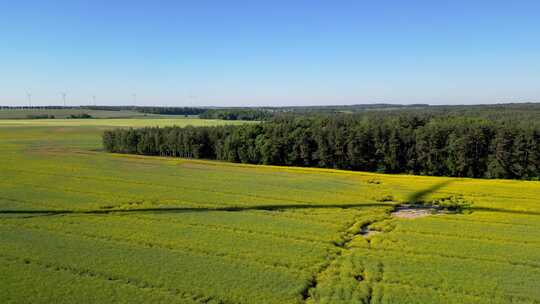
(487, 144)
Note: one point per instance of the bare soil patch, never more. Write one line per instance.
(410, 211)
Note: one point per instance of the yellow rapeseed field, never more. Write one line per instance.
(81, 225)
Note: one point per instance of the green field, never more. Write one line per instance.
(81, 225)
(65, 113)
(96, 125)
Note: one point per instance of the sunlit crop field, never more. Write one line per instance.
(81, 225)
(64, 113)
(113, 122)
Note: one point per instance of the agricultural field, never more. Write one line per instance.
(81, 225)
(95, 126)
(66, 113)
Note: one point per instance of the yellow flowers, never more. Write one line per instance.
(146, 229)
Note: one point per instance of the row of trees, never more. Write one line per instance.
(170, 110)
(404, 143)
(40, 116)
(80, 116)
(206, 113)
(33, 107)
(237, 114)
(151, 110)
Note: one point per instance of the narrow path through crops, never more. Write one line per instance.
(360, 228)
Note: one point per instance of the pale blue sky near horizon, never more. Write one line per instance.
(269, 53)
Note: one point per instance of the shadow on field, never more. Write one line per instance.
(36, 213)
(280, 207)
(416, 197)
(419, 196)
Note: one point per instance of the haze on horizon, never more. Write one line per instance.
(249, 53)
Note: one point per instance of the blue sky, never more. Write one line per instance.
(269, 52)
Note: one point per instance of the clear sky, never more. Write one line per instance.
(271, 52)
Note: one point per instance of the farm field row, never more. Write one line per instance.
(65, 113)
(81, 225)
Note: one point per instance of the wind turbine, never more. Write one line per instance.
(29, 98)
(192, 100)
(64, 98)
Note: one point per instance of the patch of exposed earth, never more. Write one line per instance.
(412, 211)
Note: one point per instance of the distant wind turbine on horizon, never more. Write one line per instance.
(63, 97)
(29, 98)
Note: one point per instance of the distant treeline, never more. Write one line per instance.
(426, 144)
(342, 108)
(530, 111)
(34, 107)
(205, 113)
(170, 110)
(151, 110)
(236, 114)
(80, 116)
(40, 116)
